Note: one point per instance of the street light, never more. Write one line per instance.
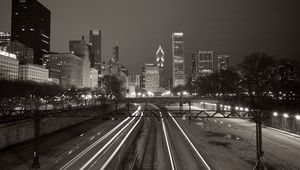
(297, 117)
(285, 115)
(275, 114)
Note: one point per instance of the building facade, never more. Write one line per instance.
(93, 82)
(54, 76)
(5, 37)
(193, 67)
(134, 80)
(223, 62)
(142, 78)
(178, 59)
(9, 66)
(151, 78)
(124, 70)
(81, 49)
(204, 63)
(95, 49)
(30, 26)
(160, 63)
(70, 67)
(33, 73)
(24, 54)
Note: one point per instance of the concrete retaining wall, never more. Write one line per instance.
(13, 133)
(290, 124)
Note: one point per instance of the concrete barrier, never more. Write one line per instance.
(13, 133)
(290, 124)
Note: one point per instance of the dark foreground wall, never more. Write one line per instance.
(13, 133)
(20, 131)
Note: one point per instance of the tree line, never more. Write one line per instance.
(30, 95)
(257, 79)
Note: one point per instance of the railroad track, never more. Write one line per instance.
(148, 161)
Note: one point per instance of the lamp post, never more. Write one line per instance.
(180, 102)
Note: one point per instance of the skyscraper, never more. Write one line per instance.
(80, 49)
(178, 59)
(160, 59)
(204, 63)
(223, 62)
(95, 49)
(142, 81)
(70, 67)
(151, 78)
(30, 26)
(194, 69)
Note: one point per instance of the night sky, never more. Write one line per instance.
(234, 27)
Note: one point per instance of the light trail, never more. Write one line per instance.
(106, 145)
(202, 159)
(67, 165)
(120, 145)
(167, 141)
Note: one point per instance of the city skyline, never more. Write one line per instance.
(155, 84)
(221, 30)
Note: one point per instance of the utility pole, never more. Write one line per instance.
(116, 107)
(37, 121)
(180, 104)
(259, 152)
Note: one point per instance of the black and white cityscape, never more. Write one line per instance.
(142, 85)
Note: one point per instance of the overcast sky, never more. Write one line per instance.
(234, 27)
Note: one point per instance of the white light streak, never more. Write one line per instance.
(202, 159)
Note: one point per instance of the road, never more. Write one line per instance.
(236, 139)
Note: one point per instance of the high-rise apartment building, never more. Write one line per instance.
(30, 26)
(95, 49)
(178, 59)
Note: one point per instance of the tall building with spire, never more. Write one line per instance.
(160, 59)
(30, 26)
(178, 59)
(95, 49)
